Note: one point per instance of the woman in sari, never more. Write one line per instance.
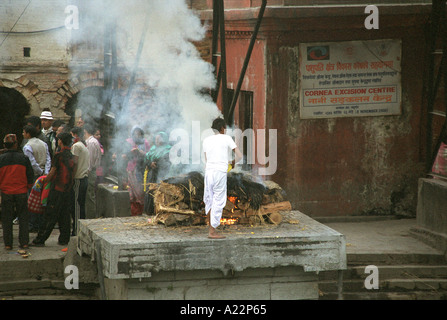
(135, 169)
(157, 167)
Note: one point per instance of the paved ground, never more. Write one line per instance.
(386, 236)
(51, 250)
(383, 236)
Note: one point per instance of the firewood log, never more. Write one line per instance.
(274, 217)
(276, 207)
(162, 209)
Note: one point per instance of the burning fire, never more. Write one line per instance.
(233, 199)
(231, 220)
(228, 221)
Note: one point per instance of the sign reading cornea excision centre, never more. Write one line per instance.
(350, 79)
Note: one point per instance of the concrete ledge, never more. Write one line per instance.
(132, 248)
(431, 213)
(433, 239)
(245, 285)
(145, 261)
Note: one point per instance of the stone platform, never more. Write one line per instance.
(142, 260)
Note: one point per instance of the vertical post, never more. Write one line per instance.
(434, 23)
(215, 34)
(223, 59)
(217, 70)
(137, 61)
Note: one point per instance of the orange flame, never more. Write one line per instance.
(228, 221)
(233, 199)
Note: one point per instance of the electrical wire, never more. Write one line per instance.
(30, 32)
(29, 2)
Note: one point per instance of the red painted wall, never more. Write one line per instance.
(348, 166)
(254, 79)
(340, 166)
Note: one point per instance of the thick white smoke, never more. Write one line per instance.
(170, 66)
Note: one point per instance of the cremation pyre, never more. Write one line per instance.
(179, 200)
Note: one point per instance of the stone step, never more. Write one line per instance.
(414, 295)
(44, 287)
(421, 284)
(49, 297)
(356, 259)
(31, 269)
(390, 272)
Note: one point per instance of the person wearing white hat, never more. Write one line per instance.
(46, 118)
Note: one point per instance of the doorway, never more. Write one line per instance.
(13, 108)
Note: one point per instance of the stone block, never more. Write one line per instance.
(229, 292)
(112, 203)
(431, 213)
(432, 204)
(146, 261)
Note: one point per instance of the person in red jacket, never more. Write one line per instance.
(58, 206)
(16, 177)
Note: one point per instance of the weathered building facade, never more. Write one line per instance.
(332, 163)
(329, 165)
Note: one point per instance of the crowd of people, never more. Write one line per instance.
(55, 165)
(49, 180)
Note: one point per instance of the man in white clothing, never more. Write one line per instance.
(82, 160)
(46, 119)
(217, 149)
(94, 150)
(37, 152)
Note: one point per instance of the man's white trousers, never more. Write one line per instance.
(215, 195)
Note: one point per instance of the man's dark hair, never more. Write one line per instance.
(57, 123)
(78, 131)
(66, 138)
(9, 145)
(89, 128)
(35, 121)
(218, 124)
(65, 128)
(33, 132)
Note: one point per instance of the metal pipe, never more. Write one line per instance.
(215, 91)
(137, 61)
(215, 34)
(247, 60)
(223, 57)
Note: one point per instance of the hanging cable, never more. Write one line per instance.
(29, 2)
